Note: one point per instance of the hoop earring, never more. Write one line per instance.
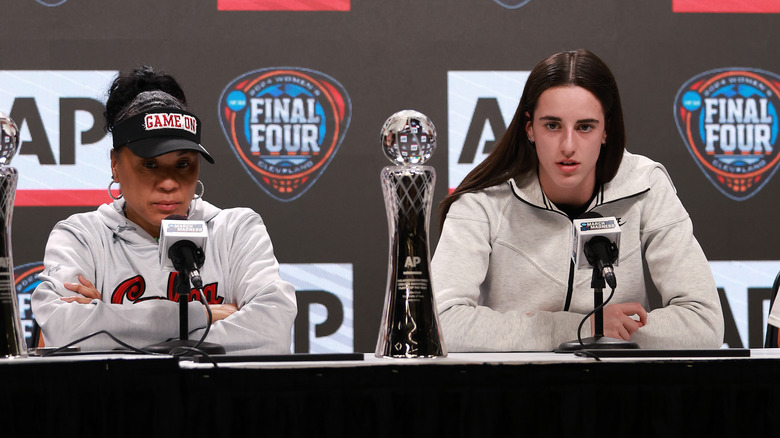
(111, 194)
(202, 190)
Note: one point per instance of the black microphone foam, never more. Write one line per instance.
(597, 241)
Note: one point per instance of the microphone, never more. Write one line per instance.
(181, 249)
(596, 244)
(182, 244)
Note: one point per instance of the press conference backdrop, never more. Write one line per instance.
(293, 93)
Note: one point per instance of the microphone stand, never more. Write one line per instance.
(598, 341)
(183, 285)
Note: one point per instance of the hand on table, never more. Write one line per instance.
(618, 323)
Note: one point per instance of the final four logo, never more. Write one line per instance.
(285, 126)
(728, 119)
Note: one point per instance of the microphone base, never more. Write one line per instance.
(595, 342)
(168, 347)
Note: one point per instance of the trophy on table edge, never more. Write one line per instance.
(12, 343)
(410, 323)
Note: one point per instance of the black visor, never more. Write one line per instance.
(159, 131)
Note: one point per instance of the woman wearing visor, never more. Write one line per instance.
(102, 269)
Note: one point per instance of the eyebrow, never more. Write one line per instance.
(180, 153)
(558, 119)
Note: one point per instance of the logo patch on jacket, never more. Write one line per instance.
(134, 290)
(728, 120)
(285, 126)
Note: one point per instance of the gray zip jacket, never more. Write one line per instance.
(504, 280)
(121, 260)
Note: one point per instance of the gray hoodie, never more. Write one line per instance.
(121, 260)
(502, 270)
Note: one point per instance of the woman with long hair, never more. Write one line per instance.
(503, 273)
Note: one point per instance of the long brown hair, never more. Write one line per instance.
(514, 155)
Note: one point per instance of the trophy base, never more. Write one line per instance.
(595, 342)
(168, 347)
(399, 356)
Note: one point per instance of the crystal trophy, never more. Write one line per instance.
(410, 323)
(12, 343)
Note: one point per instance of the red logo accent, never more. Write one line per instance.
(171, 121)
(132, 289)
(283, 5)
(727, 6)
(62, 198)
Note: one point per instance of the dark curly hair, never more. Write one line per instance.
(139, 90)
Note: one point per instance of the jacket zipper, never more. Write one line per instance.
(570, 286)
(570, 289)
